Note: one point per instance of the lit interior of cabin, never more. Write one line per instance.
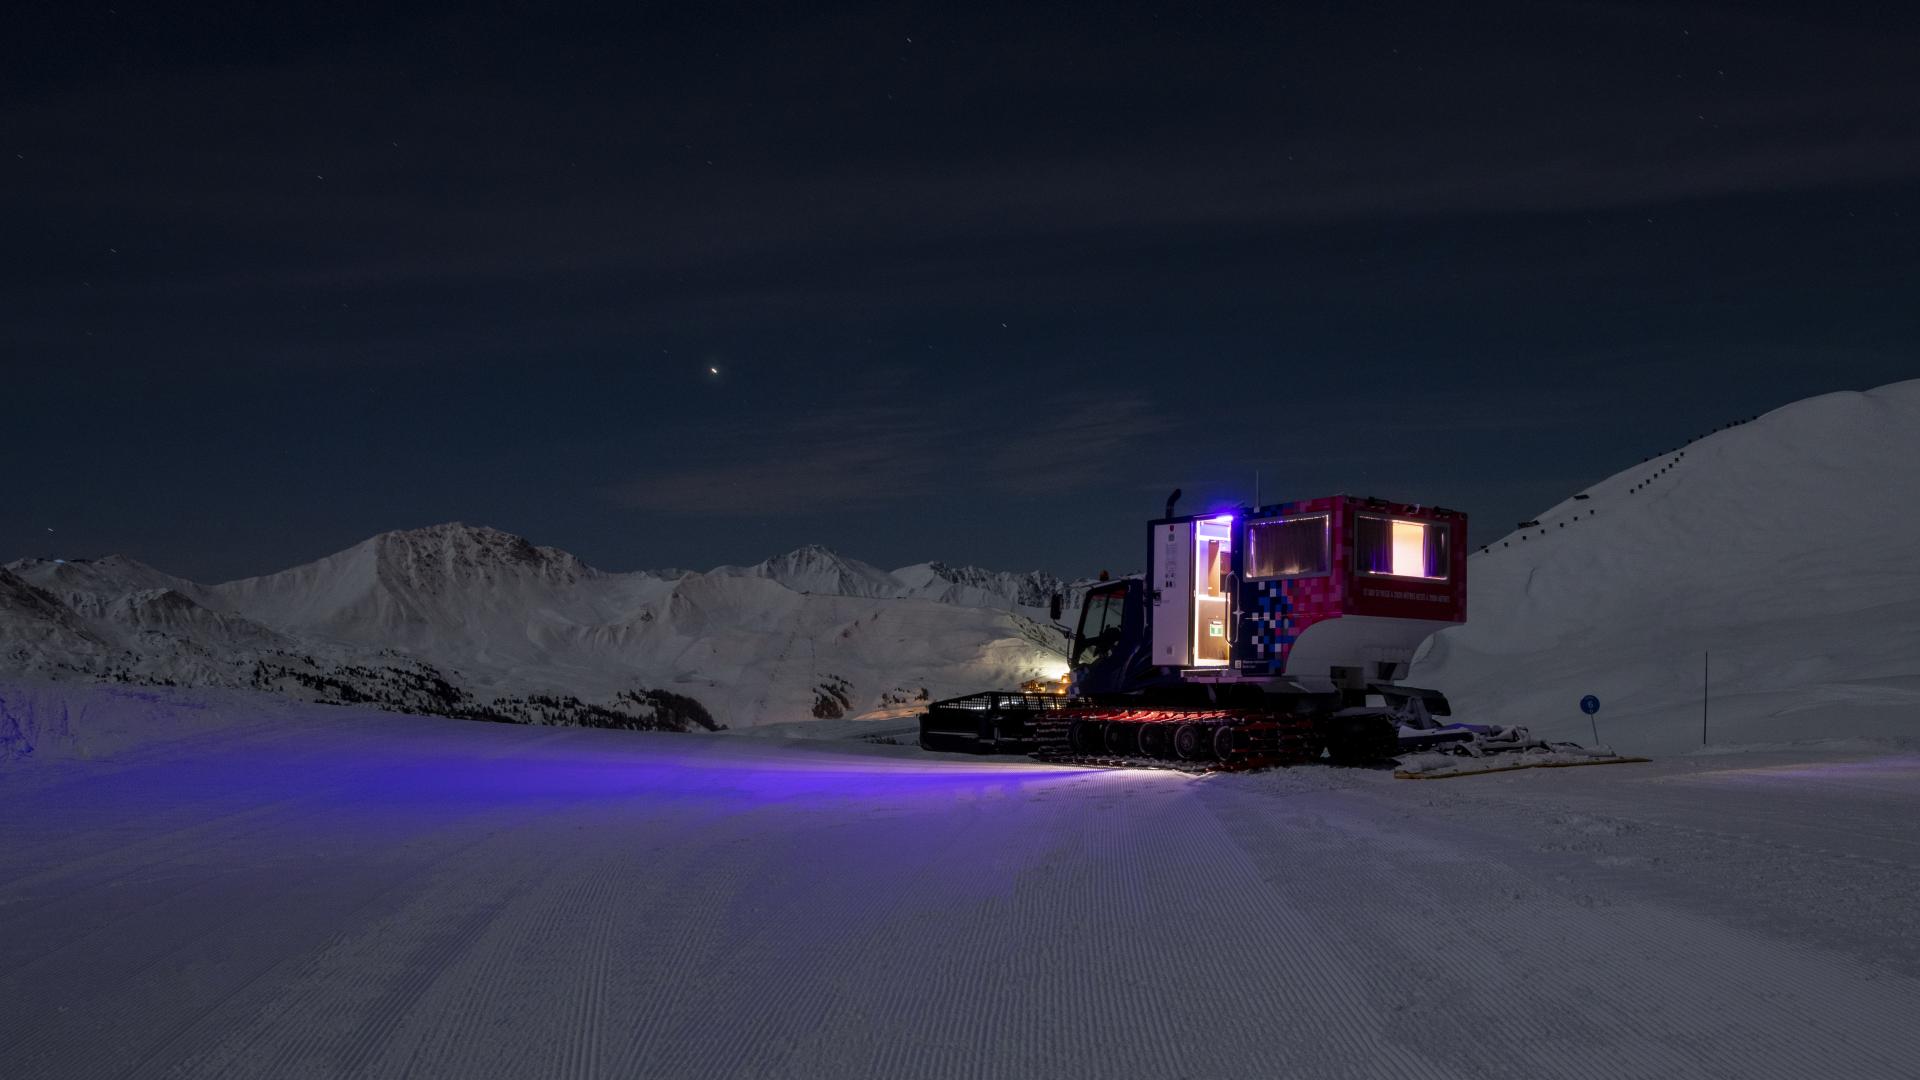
(1213, 544)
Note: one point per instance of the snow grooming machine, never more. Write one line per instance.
(1270, 635)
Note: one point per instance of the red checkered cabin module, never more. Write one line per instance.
(1316, 559)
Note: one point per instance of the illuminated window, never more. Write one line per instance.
(1100, 623)
(1396, 547)
(1287, 547)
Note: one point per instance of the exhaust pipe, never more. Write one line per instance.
(1171, 499)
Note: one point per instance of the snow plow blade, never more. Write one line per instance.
(1485, 767)
(1440, 753)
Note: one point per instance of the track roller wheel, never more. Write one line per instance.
(1191, 742)
(1362, 741)
(990, 743)
(1121, 738)
(1223, 741)
(1084, 736)
(1156, 740)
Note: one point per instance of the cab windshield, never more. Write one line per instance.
(1100, 624)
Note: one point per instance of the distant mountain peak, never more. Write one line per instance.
(456, 549)
(105, 564)
(811, 555)
(814, 568)
(105, 577)
(972, 585)
(30, 613)
(461, 534)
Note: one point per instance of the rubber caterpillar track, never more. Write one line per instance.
(1187, 740)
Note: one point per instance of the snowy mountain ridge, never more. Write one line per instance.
(816, 569)
(472, 620)
(111, 575)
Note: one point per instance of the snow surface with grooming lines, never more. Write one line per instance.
(198, 884)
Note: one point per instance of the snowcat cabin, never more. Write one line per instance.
(1332, 592)
(1105, 641)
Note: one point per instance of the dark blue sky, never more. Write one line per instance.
(982, 283)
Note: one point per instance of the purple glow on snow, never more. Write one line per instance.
(1852, 772)
(714, 771)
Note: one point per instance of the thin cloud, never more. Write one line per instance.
(1593, 138)
(793, 472)
(877, 457)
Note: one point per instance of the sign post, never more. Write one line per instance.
(1591, 705)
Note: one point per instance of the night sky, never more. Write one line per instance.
(981, 283)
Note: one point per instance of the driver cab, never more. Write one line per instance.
(1111, 634)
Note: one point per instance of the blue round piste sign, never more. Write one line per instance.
(1589, 704)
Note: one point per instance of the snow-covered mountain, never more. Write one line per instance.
(81, 581)
(975, 587)
(815, 569)
(1787, 547)
(34, 623)
(473, 621)
(403, 583)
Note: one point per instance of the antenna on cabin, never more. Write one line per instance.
(1256, 489)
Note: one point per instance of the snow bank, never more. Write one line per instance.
(49, 721)
(1785, 546)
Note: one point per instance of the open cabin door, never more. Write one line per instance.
(1170, 584)
(1212, 563)
(1191, 562)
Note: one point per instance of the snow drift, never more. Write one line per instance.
(1788, 547)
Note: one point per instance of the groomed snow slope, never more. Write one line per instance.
(1788, 546)
(322, 892)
